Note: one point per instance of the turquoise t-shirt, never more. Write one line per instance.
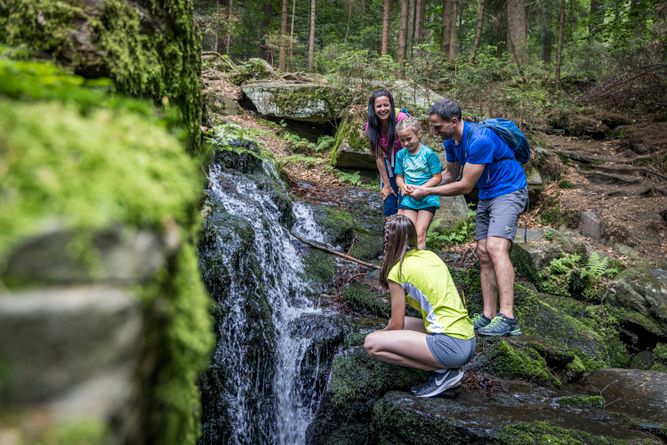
(417, 169)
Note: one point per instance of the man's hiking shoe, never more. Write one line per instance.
(438, 382)
(479, 321)
(500, 326)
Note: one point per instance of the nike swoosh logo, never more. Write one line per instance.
(439, 382)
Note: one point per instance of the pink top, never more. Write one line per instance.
(384, 138)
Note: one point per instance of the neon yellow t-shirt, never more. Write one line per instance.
(429, 288)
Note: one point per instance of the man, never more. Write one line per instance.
(481, 158)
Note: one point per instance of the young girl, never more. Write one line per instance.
(443, 340)
(381, 132)
(416, 164)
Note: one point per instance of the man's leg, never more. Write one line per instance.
(488, 279)
(498, 250)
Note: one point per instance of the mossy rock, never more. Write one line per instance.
(537, 433)
(319, 267)
(359, 231)
(351, 149)
(149, 50)
(252, 69)
(356, 382)
(366, 300)
(582, 401)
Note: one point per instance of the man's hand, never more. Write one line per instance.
(419, 192)
(386, 191)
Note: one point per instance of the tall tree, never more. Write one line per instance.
(561, 26)
(411, 27)
(547, 35)
(291, 36)
(384, 49)
(402, 34)
(516, 30)
(228, 40)
(349, 19)
(478, 32)
(283, 36)
(452, 30)
(311, 39)
(420, 10)
(446, 25)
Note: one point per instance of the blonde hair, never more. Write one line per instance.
(400, 237)
(409, 123)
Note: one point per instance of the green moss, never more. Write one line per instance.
(581, 401)
(186, 339)
(538, 433)
(524, 264)
(319, 266)
(363, 299)
(525, 363)
(348, 130)
(84, 432)
(160, 64)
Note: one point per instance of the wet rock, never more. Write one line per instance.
(642, 292)
(517, 414)
(122, 255)
(309, 102)
(367, 300)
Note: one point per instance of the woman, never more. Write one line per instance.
(443, 340)
(381, 132)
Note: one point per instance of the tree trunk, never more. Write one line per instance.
(547, 39)
(362, 20)
(291, 37)
(452, 30)
(516, 27)
(228, 41)
(349, 19)
(311, 40)
(411, 27)
(559, 57)
(402, 35)
(283, 37)
(385, 28)
(446, 25)
(420, 9)
(478, 33)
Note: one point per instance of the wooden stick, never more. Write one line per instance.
(333, 252)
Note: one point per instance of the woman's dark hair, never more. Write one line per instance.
(374, 129)
(400, 237)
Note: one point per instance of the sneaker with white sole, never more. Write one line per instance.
(438, 382)
(500, 326)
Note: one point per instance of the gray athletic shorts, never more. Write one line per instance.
(452, 352)
(499, 216)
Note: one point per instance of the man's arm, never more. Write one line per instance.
(471, 174)
(451, 172)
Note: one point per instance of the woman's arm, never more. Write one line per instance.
(386, 186)
(397, 320)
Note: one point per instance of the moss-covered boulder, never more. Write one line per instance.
(309, 102)
(149, 49)
(97, 164)
(641, 292)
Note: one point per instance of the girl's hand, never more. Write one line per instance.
(386, 191)
(409, 189)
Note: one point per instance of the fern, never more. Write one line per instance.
(353, 178)
(597, 268)
(324, 143)
(565, 264)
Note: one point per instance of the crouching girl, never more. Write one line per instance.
(443, 340)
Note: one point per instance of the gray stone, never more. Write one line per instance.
(590, 225)
(413, 95)
(355, 157)
(524, 236)
(309, 102)
(51, 340)
(642, 290)
(453, 211)
(124, 255)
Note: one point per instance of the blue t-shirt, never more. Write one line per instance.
(417, 169)
(502, 173)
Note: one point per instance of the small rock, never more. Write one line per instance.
(590, 225)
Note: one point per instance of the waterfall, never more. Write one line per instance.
(267, 371)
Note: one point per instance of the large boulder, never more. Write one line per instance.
(149, 50)
(641, 292)
(308, 102)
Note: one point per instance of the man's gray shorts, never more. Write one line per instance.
(499, 216)
(452, 352)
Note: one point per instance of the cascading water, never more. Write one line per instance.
(266, 373)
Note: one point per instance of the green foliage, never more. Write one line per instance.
(306, 161)
(299, 144)
(463, 232)
(353, 178)
(358, 65)
(570, 273)
(581, 401)
(324, 143)
(565, 184)
(83, 432)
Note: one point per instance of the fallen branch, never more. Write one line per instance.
(334, 252)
